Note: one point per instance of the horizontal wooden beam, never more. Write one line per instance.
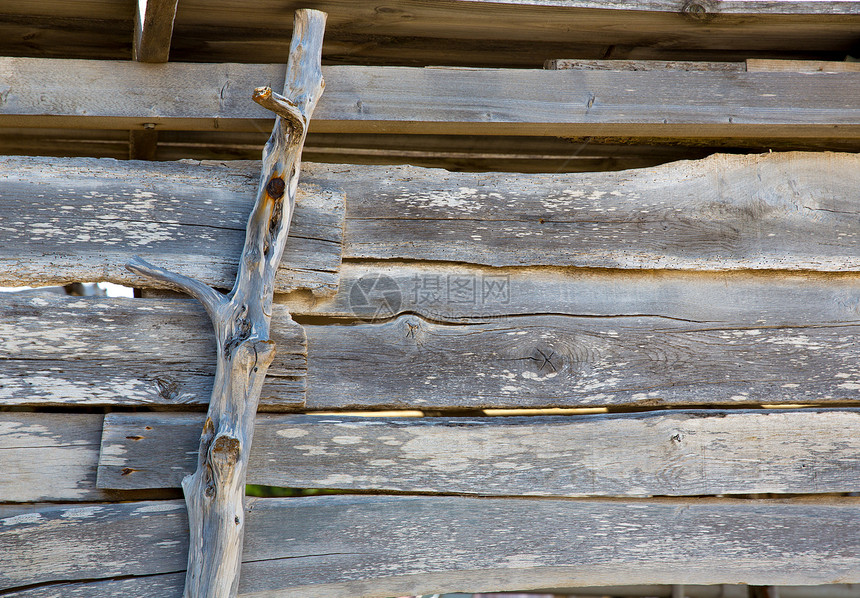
(100, 351)
(563, 361)
(678, 453)
(773, 211)
(411, 32)
(460, 293)
(422, 336)
(664, 104)
(781, 211)
(345, 546)
(81, 220)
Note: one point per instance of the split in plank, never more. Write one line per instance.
(83, 219)
(568, 361)
(675, 453)
(102, 351)
(458, 293)
(338, 546)
(638, 339)
(359, 99)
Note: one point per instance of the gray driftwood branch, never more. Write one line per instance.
(215, 492)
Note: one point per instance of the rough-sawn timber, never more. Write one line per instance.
(364, 99)
(115, 351)
(336, 546)
(677, 453)
(772, 211)
(68, 220)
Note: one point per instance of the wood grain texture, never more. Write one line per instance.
(781, 211)
(460, 293)
(49, 456)
(411, 32)
(101, 351)
(667, 104)
(82, 219)
(348, 546)
(770, 211)
(153, 29)
(673, 454)
(563, 361)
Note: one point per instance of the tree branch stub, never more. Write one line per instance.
(215, 493)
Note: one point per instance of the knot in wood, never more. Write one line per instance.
(225, 451)
(276, 187)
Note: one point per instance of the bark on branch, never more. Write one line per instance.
(215, 492)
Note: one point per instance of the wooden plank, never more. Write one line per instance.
(153, 29)
(652, 454)
(761, 65)
(783, 211)
(346, 546)
(49, 456)
(770, 211)
(101, 351)
(410, 32)
(187, 217)
(444, 293)
(564, 361)
(667, 104)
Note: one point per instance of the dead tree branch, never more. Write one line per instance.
(215, 493)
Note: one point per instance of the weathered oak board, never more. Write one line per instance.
(101, 351)
(361, 99)
(783, 211)
(347, 546)
(554, 361)
(772, 211)
(83, 219)
(49, 457)
(409, 31)
(459, 293)
(670, 453)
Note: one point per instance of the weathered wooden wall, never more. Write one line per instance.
(578, 376)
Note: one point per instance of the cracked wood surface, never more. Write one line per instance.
(362, 99)
(109, 351)
(667, 453)
(607, 338)
(568, 361)
(81, 219)
(347, 546)
(460, 293)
